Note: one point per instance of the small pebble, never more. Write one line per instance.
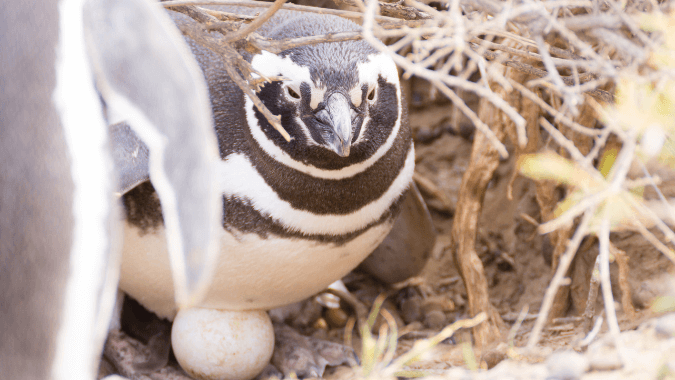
(434, 313)
(665, 326)
(410, 309)
(320, 324)
(270, 373)
(493, 357)
(604, 360)
(434, 319)
(566, 365)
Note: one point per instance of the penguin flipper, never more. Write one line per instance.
(130, 156)
(406, 249)
(148, 78)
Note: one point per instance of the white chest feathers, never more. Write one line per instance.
(252, 272)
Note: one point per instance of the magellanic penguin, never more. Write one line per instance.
(58, 260)
(299, 214)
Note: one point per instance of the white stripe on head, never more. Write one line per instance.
(237, 177)
(355, 95)
(376, 65)
(379, 64)
(368, 69)
(269, 64)
(79, 341)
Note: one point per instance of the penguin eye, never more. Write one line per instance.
(292, 93)
(371, 94)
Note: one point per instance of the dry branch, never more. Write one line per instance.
(385, 22)
(391, 10)
(556, 281)
(569, 81)
(484, 161)
(626, 298)
(257, 23)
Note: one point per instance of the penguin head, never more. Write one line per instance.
(339, 101)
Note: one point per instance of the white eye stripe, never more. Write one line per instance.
(355, 96)
(364, 128)
(270, 64)
(378, 65)
(317, 95)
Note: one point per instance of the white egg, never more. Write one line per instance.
(222, 345)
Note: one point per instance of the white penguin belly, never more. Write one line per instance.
(252, 272)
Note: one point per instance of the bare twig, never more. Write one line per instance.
(516, 326)
(392, 10)
(556, 281)
(591, 335)
(558, 116)
(610, 311)
(592, 21)
(199, 34)
(468, 112)
(621, 259)
(600, 142)
(561, 140)
(383, 21)
(553, 112)
(226, 16)
(257, 23)
(567, 218)
(584, 47)
(592, 298)
(424, 346)
(600, 94)
(559, 62)
(656, 242)
(428, 187)
(359, 308)
(654, 182)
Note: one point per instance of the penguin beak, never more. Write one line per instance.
(337, 115)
